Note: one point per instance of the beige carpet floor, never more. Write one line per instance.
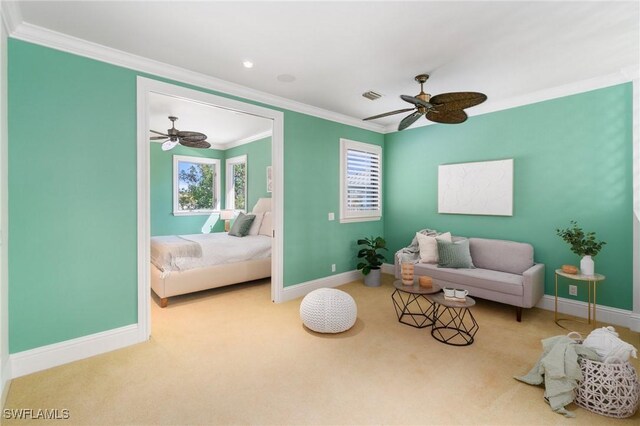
(230, 356)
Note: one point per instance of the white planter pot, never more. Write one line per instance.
(587, 266)
(372, 279)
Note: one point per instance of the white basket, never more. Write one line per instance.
(612, 390)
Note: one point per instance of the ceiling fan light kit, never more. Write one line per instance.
(447, 108)
(173, 137)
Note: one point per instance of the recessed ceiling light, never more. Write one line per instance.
(247, 64)
(286, 78)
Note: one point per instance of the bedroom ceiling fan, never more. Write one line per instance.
(444, 108)
(174, 137)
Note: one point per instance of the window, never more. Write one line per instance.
(196, 185)
(236, 183)
(360, 181)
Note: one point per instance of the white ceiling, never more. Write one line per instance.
(338, 50)
(222, 126)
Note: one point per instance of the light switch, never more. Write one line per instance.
(332, 216)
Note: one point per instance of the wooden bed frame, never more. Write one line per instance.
(192, 280)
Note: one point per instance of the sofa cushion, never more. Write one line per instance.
(501, 255)
(429, 247)
(502, 282)
(454, 254)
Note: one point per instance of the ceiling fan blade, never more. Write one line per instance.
(159, 133)
(447, 117)
(409, 120)
(416, 101)
(157, 138)
(169, 144)
(457, 100)
(195, 143)
(194, 136)
(388, 113)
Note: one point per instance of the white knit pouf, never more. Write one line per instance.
(327, 310)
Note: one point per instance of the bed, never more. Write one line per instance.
(182, 264)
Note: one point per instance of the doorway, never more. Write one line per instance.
(147, 88)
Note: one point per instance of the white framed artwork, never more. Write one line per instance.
(479, 188)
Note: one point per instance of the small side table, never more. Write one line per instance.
(453, 322)
(411, 302)
(592, 281)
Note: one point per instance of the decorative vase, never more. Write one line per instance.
(372, 279)
(407, 273)
(587, 266)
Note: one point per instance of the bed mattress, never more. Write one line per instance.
(201, 250)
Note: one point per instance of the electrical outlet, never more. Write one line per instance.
(333, 267)
(573, 290)
(332, 216)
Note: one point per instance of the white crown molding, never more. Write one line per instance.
(55, 40)
(10, 15)
(247, 140)
(625, 75)
(44, 357)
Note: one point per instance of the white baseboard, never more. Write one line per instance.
(299, 290)
(388, 268)
(604, 314)
(42, 358)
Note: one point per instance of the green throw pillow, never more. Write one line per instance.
(454, 254)
(241, 225)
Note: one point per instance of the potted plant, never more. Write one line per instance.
(583, 244)
(371, 259)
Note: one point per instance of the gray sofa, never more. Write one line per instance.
(505, 272)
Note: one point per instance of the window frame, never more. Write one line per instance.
(229, 200)
(216, 184)
(346, 215)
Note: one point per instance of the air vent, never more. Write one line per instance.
(371, 95)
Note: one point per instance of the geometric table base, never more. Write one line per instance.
(454, 325)
(413, 309)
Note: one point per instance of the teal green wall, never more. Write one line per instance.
(312, 190)
(572, 160)
(258, 158)
(163, 222)
(72, 161)
(72, 197)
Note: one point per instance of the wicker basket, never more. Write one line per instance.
(612, 390)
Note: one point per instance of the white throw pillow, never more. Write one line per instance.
(265, 227)
(429, 246)
(255, 225)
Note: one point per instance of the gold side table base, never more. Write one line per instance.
(592, 281)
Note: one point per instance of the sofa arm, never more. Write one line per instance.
(533, 283)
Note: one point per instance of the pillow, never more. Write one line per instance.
(241, 225)
(429, 247)
(265, 227)
(263, 205)
(255, 226)
(454, 254)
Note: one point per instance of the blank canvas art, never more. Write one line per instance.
(482, 188)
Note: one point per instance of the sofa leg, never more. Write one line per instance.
(519, 313)
(165, 301)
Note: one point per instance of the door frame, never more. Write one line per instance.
(145, 86)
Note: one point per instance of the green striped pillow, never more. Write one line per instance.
(454, 254)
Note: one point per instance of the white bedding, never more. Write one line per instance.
(217, 249)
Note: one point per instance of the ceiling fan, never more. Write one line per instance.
(445, 108)
(174, 137)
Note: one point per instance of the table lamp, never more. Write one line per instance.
(226, 215)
